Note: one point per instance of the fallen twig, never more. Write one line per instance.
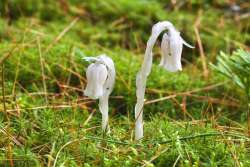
(62, 34)
(201, 50)
(189, 93)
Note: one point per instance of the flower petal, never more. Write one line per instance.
(90, 59)
(96, 76)
(186, 44)
(176, 46)
(109, 84)
(167, 61)
(165, 49)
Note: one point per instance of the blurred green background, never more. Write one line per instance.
(45, 120)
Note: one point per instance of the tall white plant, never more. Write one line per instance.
(171, 48)
(100, 82)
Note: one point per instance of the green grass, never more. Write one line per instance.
(204, 125)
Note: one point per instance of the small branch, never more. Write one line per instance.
(202, 54)
(50, 159)
(6, 56)
(62, 34)
(42, 70)
(156, 156)
(71, 71)
(225, 38)
(50, 107)
(189, 93)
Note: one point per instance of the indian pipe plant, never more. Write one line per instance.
(101, 73)
(100, 76)
(171, 48)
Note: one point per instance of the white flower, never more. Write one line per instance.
(171, 47)
(96, 74)
(100, 81)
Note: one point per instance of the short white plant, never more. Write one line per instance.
(171, 48)
(100, 82)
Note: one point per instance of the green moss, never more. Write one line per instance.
(120, 29)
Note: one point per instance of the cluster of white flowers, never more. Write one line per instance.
(101, 73)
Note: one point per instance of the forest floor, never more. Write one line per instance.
(195, 117)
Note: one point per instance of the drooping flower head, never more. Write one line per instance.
(100, 76)
(96, 74)
(171, 48)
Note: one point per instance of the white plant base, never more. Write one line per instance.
(138, 130)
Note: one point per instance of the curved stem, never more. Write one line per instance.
(141, 80)
(142, 75)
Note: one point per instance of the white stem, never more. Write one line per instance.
(142, 75)
(103, 106)
(139, 126)
(105, 126)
